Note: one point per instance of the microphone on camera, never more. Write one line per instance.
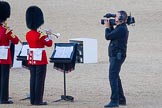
(108, 15)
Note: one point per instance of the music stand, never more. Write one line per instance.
(12, 49)
(64, 55)
(22, 56)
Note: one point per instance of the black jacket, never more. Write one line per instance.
(118, 39)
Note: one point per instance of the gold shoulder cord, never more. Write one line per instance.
(42, 34)
(12, 35)
(6, 27)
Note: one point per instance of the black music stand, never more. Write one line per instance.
(64, 57)
(22, 56)
(12, 49)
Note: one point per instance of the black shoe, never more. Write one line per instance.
(112, 104)
(122, 102)
(43, 103)
(6, 102)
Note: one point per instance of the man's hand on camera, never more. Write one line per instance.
(106, 23)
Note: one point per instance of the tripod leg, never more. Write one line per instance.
(58, 100)
(64, 80)
(28, 97)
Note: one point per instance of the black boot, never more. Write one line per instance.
(42, 103)
(6, 102)
(122, 101)
(112, 104)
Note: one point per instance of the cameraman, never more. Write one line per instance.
(118, 37)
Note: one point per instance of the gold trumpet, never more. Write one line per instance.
(55, 34)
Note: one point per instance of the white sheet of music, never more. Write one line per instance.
(63, 52)
(3, 54)
(24, 51)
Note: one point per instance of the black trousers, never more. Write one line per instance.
(37, 80)
(114, 78)
(4, 82)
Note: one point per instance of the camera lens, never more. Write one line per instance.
(102, 21)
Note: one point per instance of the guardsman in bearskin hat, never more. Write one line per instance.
(6, 37)
(37, 59)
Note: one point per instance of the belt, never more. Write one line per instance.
(4, 47)
(35, 49)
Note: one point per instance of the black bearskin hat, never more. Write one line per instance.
(4, 11)
(34, 17)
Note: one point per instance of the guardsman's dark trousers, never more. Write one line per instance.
(37, 80)
(4, 82)
(114, 78)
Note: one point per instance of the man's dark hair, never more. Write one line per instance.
(123, 16)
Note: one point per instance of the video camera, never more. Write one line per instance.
(130, 20)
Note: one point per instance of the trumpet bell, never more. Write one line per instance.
(58, 34)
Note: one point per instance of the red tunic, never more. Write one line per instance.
(6, 36)
(37, 41)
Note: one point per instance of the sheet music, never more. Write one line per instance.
(24, 51)
(3, 54)
(63, 52)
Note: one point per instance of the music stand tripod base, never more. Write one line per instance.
(66, 98)
(25, 99)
